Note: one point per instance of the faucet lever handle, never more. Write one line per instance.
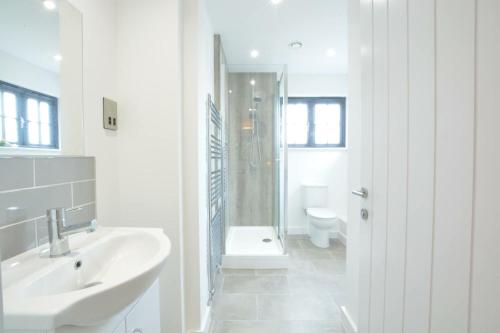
(92, 224)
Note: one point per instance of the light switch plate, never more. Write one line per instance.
(110, 114)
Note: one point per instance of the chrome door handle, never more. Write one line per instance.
(361, 192)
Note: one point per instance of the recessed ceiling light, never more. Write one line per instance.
(331, 53)
(276, 2)
(252, 82)
(49, 4)
(296, 45)
(58, 57)
(254, 53)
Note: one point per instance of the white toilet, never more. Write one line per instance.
(321, 220)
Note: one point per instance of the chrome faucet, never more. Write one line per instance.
(59, 231)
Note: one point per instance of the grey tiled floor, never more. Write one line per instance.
(305, 298)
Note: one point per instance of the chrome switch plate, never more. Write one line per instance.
(110, 114)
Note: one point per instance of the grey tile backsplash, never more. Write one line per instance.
(22, 205)
(31, 185)
(63, 170)
(16, 173)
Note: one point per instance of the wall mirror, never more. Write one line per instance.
(41, 107)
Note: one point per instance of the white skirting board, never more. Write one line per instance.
(206, 324)
(348, 324)
(303, 231)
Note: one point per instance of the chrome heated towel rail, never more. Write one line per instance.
(216, 189)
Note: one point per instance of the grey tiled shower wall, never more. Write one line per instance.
(251, 198)
(31, 185)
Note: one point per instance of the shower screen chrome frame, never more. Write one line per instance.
(281, 160)
(284, 145)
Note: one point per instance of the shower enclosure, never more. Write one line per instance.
(255, 224)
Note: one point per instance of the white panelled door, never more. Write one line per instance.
(397, 151)
(396, 131)
(430, 161)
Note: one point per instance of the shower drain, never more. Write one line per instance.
(267, 240)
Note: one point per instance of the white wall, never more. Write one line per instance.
(430, 72)
(307, 85)
(198, 81)
(134, 54)
(138, 167)
(148, 77)
(317, 166)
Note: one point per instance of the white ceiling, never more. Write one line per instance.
(30, 32)
(257, 24)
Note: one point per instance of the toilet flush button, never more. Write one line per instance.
(364, 214)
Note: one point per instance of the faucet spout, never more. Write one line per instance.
(59, 231)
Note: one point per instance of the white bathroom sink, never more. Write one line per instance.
(106, 271)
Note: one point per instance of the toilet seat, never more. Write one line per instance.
(321, 213)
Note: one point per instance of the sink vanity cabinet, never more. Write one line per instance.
(108, 284)
(143, 316)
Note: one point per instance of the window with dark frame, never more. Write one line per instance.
(316, 122)
(28, 118)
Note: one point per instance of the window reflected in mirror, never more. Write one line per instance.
(41, 89)
(27, 118)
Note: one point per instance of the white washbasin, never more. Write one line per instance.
(116, 265)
